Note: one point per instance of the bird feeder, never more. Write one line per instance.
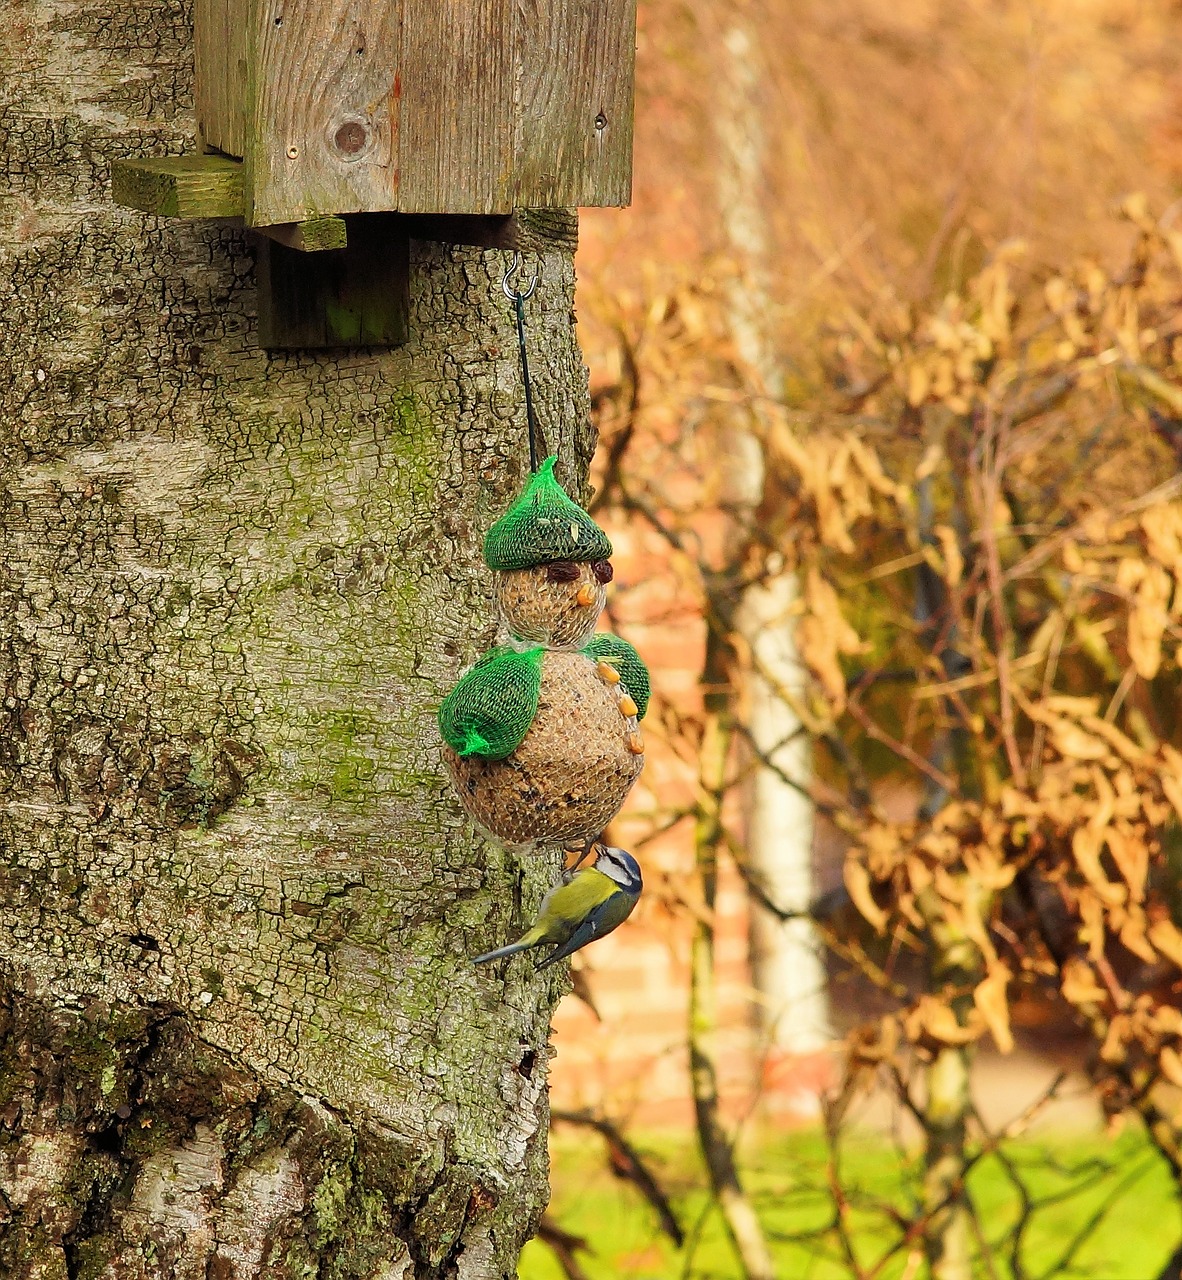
(339, 129)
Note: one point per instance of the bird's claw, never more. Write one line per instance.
(583, 850)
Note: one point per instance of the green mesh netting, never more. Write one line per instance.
(492, 707)
(630, 665)
(542, 526)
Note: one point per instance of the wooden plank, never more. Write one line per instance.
(574, 142)
(321, 134)
(180, 186)
(220, 38)
(456, 130)
(313, 236)
(354, 297)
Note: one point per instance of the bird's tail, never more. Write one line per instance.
(511, 950)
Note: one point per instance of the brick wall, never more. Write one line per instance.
(631, 1060)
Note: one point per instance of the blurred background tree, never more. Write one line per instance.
(885, 360)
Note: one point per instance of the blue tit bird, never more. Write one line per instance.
(595, 901)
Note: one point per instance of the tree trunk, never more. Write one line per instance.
(956, 966)
(788, 972)
(239, 1032)
(738, 1213)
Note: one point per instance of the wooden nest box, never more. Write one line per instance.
(441, 116)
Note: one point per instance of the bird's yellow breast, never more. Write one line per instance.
(566, 906)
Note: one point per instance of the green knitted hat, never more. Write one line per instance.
(490, 710)
(542, 526)
(630, 665)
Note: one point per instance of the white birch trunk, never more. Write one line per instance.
(787, 969)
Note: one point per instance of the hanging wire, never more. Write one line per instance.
(517, 297)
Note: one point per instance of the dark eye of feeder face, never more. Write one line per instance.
(562, 571)
(603, 570)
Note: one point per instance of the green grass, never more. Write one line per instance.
(1114, 1194)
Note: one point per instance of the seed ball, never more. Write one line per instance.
(557, 605)
(573, 770)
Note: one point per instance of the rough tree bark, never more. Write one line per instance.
(239, 1034)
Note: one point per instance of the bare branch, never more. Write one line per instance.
(564, 1246)
(627, 1163)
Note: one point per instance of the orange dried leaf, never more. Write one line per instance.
(1073, 743)
(857, 883)
(1079, 985)
(1166, 940)
(987, 869)
(950, 554)
(935, 1019)
(1162, 525)
(1150, 613)
(1167, 1020)
(1101, 815)
(1121, 743)
(1131, 855)
(1172, 787)
(1066, 704)
(823, 634)
(990, 998)
(1132, 935)
(1085, 846)
(918, 873)
(1171, 1064)
(1115, 1046)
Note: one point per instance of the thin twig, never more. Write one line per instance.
(901, 749)
(987, 486)
(627, 1163)
(564, 1246)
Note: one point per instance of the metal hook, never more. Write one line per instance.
(512, 294)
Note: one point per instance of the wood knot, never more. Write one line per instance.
(351, 137)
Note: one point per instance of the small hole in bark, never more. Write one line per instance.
(219, 1268)
(481, 1199)
(526, 1066)
(601, 122)
(145, 941)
